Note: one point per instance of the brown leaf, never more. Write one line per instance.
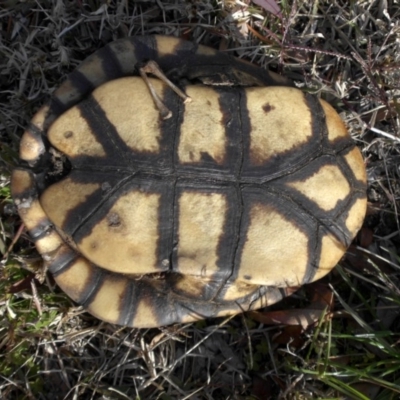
(290, 335)
(321, 299)
(261, 388)
(366, 236)
(321, 296)
(22, 284)
(303, 317)
(357, 259)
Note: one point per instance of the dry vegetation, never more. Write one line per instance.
(337, 339)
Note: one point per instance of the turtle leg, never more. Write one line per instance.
(151, 67)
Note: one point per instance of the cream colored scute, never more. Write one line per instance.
(331, 252)
(203, 129)
(21, 181)
(272, 296)
(32, 146)
(206, 51)
(29, 208)
(166, 45)
(336, 127)
(49, 243)
(145, 314)
(109, 299)
(280, 120)
(76, 279)
(130, 108)
(191, 287)
(356, 163)
(275, 251)
(238, 289)
(33, 216)
(62, 197)
(201, 222)
(356, 216)
(125, 240)
(326, 187)
(71, 134)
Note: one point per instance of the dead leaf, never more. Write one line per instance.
(261, 388)
(21, 285)
(303, 317)
(366, 236)
(321, 299)
(321, 296)
(291, 335)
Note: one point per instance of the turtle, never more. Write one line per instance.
(222, 206)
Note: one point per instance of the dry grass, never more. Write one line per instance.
(347, 52)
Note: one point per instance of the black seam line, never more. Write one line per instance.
(116, 146)
(95, 287)
(260, 292)
(241, 136)
(239, 195)
(80, 84)
(180, 115)
(242, 98)
(360, 189)
(144, 48)
(331, 228)
(339, 147)
(354, 183)
(107, 133)
(183, 309)
(174, 214)
(174, 218)
(232, 127)
(174, 306)
(201, 177)
(174, 228)
(175, 145)
(106, 197)
(41, 230)
(319, 131)
(293, 169)
(109, 168)
(56, 108)
(294, 194)
(63, 263)
(127, 311)
(346, 207)
(345, 169)
(35, 129)
(165, 306)
(131, 171)
(110, 63)
(316, 255)
(288, 198)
